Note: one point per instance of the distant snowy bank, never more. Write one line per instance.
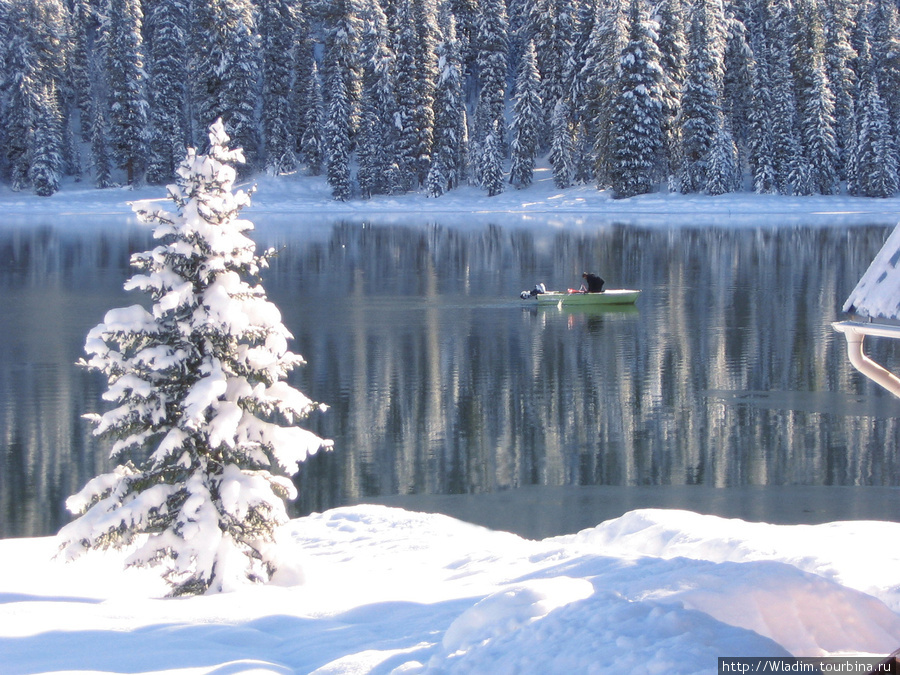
(388, 590)
(542, 202)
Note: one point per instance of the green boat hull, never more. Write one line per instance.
(621, 296)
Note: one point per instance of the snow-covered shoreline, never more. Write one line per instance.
(388, 590)
(541, 203)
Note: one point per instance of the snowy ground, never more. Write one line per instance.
(386, 590)
(308, 199)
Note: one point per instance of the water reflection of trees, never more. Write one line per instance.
(53, 287)
(729, 375)
(441, 381)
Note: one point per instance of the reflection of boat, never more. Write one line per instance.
(616, 296)
(589, 310)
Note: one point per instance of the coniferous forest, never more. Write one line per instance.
(787, 97)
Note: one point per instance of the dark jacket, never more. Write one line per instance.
(593, 283)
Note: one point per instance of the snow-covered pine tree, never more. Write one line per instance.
(815, 101)
(791, 165)
(277, 36)
(839, 55)
(424, 16)
(492, 163)
(491, 46)
(306, 91)
(526, 122)
(336, 137)
(123, 26)
(199, 387)
(760, 152)
(414, 25)
(449, 148)
(33, 64)
(737, 85)
(583, 156)
(701, 98)
(562, 146)
(884, 24)
(405, 94)
(311, 150)
(342, 73)
(100, 161)
(673, 51)
(600, 75)
(874, 171)
(585, 19)
(225, 71)
(377, 138)
(167, 28)
(82, 26)
(637, 136)
(722, 171)
(553, 44)
(46, 167)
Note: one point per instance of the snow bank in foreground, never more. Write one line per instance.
(393, 591)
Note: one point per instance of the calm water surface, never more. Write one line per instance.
(725, 385)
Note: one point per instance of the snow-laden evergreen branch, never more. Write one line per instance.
(203, 419)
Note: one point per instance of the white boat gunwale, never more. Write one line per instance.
(613, 296)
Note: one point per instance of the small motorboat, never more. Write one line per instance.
(573, 298)
(580, 297)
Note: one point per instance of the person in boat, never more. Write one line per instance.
(592, 283)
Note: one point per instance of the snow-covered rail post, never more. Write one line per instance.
(198, 384)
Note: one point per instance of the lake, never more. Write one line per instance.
(724, 390)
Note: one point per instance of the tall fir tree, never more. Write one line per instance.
(46, 165)
(450, 134)
(492, 162)
(337, 138)
(491, 48)
(637, 137)
(310, 145)
(342, 76)
(600, 75)
(737, 85)
(673, 51)
(874, 167)
(792, 174)
(701, 109)
(34, 65)
(760, 145)
(585, 19)
(128, 96)
(167, 27)
(722, 169)
(100, 160)
(198, 382)
(305, 90)
(425, 19)
(83, 23)
(815, 100)
(554, 35)
(562, 146)
(224, 71)
(839, 57)
(884, 27)
(277, 33)
(526, 122)
(409, 135)
(377, 138)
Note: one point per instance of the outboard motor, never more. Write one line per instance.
(537, 290)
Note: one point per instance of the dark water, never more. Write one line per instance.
(725, 385)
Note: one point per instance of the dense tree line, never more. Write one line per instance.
(389, 96)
